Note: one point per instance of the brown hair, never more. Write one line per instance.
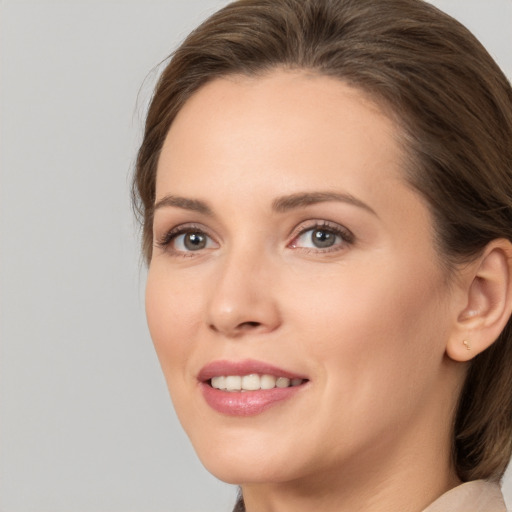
(454, 106)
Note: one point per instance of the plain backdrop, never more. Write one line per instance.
(86, 424)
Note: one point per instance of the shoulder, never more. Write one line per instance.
(476, 496)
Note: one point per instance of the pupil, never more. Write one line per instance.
(322, 238)
(195, 241)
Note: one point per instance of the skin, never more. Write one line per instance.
(367, 320)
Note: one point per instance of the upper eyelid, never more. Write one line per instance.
(321, 223)
(169, 234)
(299, 229)
(346, 239)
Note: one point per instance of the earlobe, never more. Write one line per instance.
(488, 304)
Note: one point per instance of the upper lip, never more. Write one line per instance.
(244, 367)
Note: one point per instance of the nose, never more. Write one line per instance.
(243, 299)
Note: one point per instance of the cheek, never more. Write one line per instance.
(374, 330)
(172, 310)
(375, 342)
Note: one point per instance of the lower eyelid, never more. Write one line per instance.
(168, 236)
(346, 237)
(338, 243)
(208, 245)
(343, 235)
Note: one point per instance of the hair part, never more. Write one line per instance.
(453, 105)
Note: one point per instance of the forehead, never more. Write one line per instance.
(280, 120)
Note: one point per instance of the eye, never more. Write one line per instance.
(192, 241)
(325, 236)
(186, 239)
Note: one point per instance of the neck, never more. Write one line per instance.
(408, 486)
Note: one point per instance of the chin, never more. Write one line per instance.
(248, 471)
(247, 461)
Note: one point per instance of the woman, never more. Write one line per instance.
(326, 195)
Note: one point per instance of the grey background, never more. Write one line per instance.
(86, 424)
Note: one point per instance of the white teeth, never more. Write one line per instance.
(219, 382)
(234, 383)
(252, 382)
(268, 382)
(282, 382)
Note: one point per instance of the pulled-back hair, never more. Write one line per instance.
(454, 109)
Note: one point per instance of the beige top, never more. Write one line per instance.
(476, 496)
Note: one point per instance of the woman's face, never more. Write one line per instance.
(288, 244)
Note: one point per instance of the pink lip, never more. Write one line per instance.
(247, 403)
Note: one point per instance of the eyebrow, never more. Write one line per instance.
(280, 205)
(184, 203)
(291, 202)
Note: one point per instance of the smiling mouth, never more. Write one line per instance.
(248, 387)
(252, 382)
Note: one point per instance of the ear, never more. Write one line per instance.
(487, 285)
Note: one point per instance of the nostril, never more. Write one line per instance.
(249, 325)
(241, 327)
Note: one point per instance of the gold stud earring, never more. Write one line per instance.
(466, 344)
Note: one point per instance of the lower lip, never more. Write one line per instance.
(247, 403)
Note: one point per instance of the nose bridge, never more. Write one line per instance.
(243, 299)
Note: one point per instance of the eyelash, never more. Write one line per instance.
(346, 236)
(170, 236)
